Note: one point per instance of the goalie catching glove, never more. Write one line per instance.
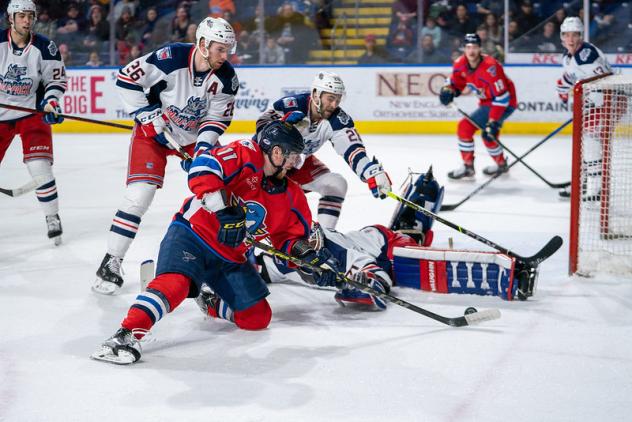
(322, 258)
(377, 179)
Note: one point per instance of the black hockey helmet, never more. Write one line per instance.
(471, 39)
(282, 134)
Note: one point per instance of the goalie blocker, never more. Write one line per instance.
(460, 271)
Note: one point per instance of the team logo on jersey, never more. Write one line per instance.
(492, 71)
(480, 94)
(13, 83)
(583, 54)
(188, 256)
(290, 102)
(343, 117)
(163, 53)
(234, 83)
(248, 144)
(52, 48)
(187, 118)
(255, 216)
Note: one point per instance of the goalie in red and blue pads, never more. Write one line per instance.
(484, 76)
(240, 190)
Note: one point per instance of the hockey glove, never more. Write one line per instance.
(491, 131)
(378, 180)
(322, 258)
(232, 226)
(153, 123)
(186, 164)
(53, 111)
(447, 94)
(293, 117)
(352, 294)
(562, 91)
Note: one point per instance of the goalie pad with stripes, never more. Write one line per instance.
(455, 271)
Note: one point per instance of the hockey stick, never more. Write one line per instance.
(450, 207)
(67, 116)
(518, 159)
(469, 319)
(26, 188)
(547, 250)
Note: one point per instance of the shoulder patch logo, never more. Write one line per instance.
(343, 117)
(583, 54)
(290, 102)
(52, 48)
(163, 53)
(492, 71)
(234, 83)
(248, 144)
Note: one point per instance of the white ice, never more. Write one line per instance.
(564, 355)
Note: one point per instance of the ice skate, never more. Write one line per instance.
(496, 169)
(122, 348)
(53, 224)
(466, 171)
(208, 301)
(109, 275)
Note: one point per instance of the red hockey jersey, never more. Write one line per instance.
(488, 81)
(283, 215)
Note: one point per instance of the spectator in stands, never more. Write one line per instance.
(525, 17)
(429, 53)
(122, 5)
(151, 17)
(134, 53)
(125, 25)
(216, 8)
(45, 26)
(431, 28)
(513, 30)
(496, 7)
(323, 14)
(248, 48)
(373, 53)
(69, 26)
(94, 60)
(558, 18)
(401, 42)
(462, 23)
(405, 10)
(488, 46)
(291, 33)
(179, 24)
(494, 29)
(273, 53)
(64, 52)
(190, 37)
(548, 41)
(98, 30)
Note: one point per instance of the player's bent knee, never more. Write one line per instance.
(333, 184)
(174, 287)
(138, 197)
(257, 317)
(465, 129)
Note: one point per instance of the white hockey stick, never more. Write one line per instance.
(147, 270)
(26, 188)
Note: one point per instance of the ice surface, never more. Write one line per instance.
(563, 355)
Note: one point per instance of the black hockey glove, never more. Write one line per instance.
(323, 258)
(447, 94)
(232, 226)
(490, 134)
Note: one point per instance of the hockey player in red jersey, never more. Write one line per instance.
(239, 189)
(186, 90)
(484, 76)
(32, 75)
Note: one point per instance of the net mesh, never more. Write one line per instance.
(605, 210)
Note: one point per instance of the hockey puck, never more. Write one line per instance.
(470, 310)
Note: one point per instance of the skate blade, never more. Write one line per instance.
(105, 354)
(57, 240)
(105, 287)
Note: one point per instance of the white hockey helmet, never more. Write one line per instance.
(16, 6)
(217, 30)
(572, 24)
(328, 82)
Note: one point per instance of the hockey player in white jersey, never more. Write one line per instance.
(186, 90)
(317, 114)
(32, 75)
(583, 60)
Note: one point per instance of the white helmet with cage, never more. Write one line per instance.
(572, 24)
(216, 30)
(16, 6)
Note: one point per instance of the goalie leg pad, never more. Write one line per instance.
(450, 271)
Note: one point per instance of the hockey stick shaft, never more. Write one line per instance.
(26, 188)
(518, 159)
(552, 245)
(450, 207)
(68, 116)
(471, 319)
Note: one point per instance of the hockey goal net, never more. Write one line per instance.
(601, 185)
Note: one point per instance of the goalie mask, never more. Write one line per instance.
(425, 192)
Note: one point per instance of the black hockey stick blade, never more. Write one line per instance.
(547, 250)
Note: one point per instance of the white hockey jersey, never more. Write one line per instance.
(587, 61)
(29, 75)
(199, 106)
(339, 129)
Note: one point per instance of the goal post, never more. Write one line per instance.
(601, 181)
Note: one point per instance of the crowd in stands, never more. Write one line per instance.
(88, 31)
